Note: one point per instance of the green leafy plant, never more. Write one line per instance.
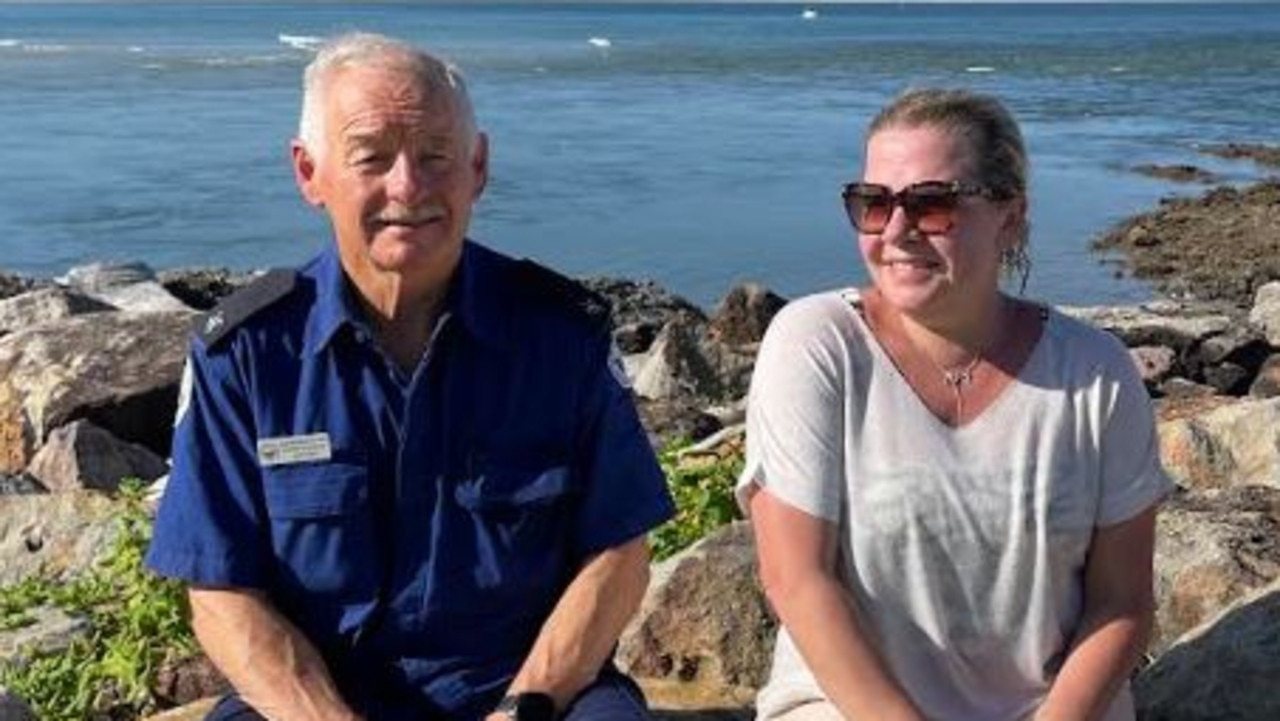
(136, 620)
(703, 492)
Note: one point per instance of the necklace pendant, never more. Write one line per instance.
(957, 378)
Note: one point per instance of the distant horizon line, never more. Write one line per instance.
(806, 3)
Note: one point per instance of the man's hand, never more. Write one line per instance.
(580, 634)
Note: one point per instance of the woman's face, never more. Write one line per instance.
(937, 275)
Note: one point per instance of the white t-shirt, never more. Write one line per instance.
(963, 549)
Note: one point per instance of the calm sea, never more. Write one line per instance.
(699, 145)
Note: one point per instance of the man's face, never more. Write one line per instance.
(398, 174)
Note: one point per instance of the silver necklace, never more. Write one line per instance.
(957, 377)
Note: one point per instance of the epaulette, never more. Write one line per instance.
(238, 307)
(541, 279)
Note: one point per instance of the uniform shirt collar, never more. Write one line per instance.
(477, 299)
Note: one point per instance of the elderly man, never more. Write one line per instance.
(409, 482)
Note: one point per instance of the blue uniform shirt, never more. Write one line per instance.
(417, 528)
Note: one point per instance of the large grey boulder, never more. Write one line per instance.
(82, 455)
(1159, 323)
(704, 635)
(45, 305)
(105, 275)
(13, 708)
(1212, 547)
(1266, 311)
(677, 365)
(1236, 444)
(1226, 669)
(50, 631)
(145, 297)
(120, 370)
(60, 533)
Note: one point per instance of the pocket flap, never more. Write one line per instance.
(315, 491)
(500, 487)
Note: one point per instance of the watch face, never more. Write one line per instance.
(531, 706)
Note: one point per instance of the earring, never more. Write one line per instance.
(1015, 262)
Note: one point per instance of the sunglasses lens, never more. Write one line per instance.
(869, 210)
(932, 208)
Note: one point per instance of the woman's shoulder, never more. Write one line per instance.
(818, 311)
(823, 326)
(1090, 346)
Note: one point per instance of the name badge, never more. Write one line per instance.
(288, 450)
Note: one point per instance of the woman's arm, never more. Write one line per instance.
(1115, 626)
(797, 568)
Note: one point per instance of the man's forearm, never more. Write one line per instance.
(271, 664)
(580, 634)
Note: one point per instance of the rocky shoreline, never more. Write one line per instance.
(89, 372)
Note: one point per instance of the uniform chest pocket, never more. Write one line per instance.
(315, 491)
(507, 489)
(519, 522)
(322, 528)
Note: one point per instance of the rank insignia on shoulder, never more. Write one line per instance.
(243, 304)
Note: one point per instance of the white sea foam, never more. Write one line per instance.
(979, 69)
(600, 42)
(137, 49)
(45, 48)
(300, 42)
(9, 42)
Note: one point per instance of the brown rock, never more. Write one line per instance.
(1154, 363)
(1225, 669)
(1267, 383)
(194, 711)
(202, 288)
(120, 370)
(744, 314)
(1265, 313)
(62, 533)
(1234, 445)
(1221, 246)
(189, 679)
(1180, 173)
(11, 285)
(45, 305)
(1212, 547)
(1261, 154)
(82, 455)
(704, 634)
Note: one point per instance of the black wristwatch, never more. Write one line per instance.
(528, 706)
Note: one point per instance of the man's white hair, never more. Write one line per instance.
(371, 50)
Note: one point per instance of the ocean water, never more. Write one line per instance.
(701, 145)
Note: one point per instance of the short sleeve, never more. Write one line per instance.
(208, 527)
(795, 418)
(624, 489)
(1133, 478)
